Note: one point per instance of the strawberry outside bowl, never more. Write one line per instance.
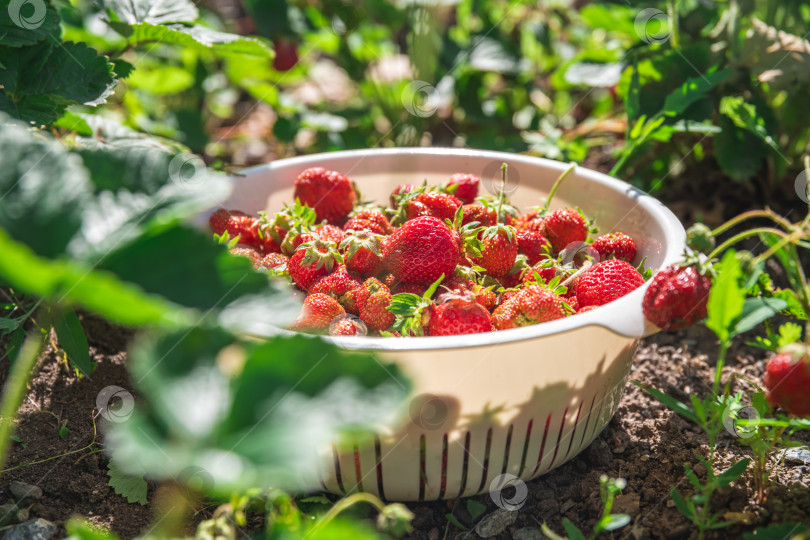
(487, 409)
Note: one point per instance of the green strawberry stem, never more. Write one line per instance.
(767, 213)
(745, 234)
(346, 503)
(585, 266)
(14, 390)
(557, 183)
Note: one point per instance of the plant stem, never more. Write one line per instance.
(718, 372)
(557, 183)
(672, 13)
(346, 503)
(767, 213)
(16, 385)
(745, 234)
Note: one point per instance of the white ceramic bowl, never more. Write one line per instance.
(516, 402)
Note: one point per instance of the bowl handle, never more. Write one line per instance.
(628, 323)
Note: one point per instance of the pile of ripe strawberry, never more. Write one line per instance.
(438, 261)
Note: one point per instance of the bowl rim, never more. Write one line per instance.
(623, 316)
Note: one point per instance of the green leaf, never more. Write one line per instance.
(454, 521)
(571, 530)
(685, 508)
(163, 80)
(194, 37)
(739, 153)
(551, 535)
(64, 432)
(672, 403)
(614, 521)
(341, 529)
(26, 23)
(68, 283)
(75, 123)
(780, 531)
(81, 529)
(249, 414)
(41, 80)
(632, 100)
(744, 115)
(726, 298)
(755, 311)
(789, 333)
(73, 341)
(152, 11)
(475, 509)
(732, 473)
(127, 485)
(694, 89)
(15, 341)
(44, 188)
(787, 258)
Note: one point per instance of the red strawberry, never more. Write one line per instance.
(273, 260)
(413, 288)
(532, 305)
(787, 377)
(479, 213)
(486, 297)
(606, 281)
(312, 261)
(534, 245)
(362, 251)
(533, 220)
(466, 186)
(235, 223)
(677, 297)
(318, 312)
(376, 217)
(337, 284)
(399, 191)
(343, 327)
(373, 300)
(457, 316)
(499, 250)
(330, 233)
(286, 54)
(330, 193)
(574, 305)
(421, 251)
(457, 285)
(615, 246)
(359, 224)
(544, 270)
(586, 308)
(254, 256)
(563, 227)
(296, 237)
(430, 203)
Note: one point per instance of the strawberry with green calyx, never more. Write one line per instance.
(371, 301)
(421, 250)
(375, 216)
(499, 250)
(431, 203)
(512, 278)
(330, 233)
(362, 251)
(459, 286)
(678, 295)
(607, 281)
(699, 237)
(457, 316)
(409, 310)
(463, 186)
(564, 227)
(298, 216)
(399, 192)
(534, 245)
(478, 213)
(275, 262)
(787, 378)
(329, 193)
(359, 224)
(312, 261)
(236, 224)
(295, 237)
(338, 284)
(615, 246)
(531, 305)
(317, 313)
